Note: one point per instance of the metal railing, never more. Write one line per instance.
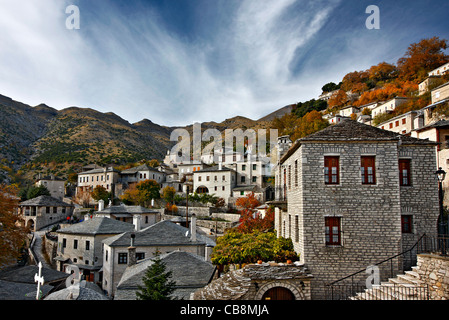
(350, 285)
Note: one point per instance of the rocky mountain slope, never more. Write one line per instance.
(44, 140)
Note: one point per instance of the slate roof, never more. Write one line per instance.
(163, 233)
(215, 168)
(98, 225)
(45, 201)
(20, 291)
(99, 170)
(26, 275)
(189, 271)
(142, 167)
(127, 209)
(85, 291)
(353, 131)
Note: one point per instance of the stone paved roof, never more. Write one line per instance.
(189, 271)
(127, 209)
(45, 201)
(26, 275)
(85, 291)
(235, 284)
(98, 225)
(164, 233)
(215, 169)
(142, 167)
(353, 131)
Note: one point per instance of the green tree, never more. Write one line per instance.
(34, 192)
(168, 194)
(156, 282)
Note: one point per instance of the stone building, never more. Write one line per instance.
(354, 195)
(164, 237)
(266, 281)
(81, 245)
(139, 216)
(218, 180)
(55, 185)
(43, 211)
(189, 272)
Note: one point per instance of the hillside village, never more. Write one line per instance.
(362, 190)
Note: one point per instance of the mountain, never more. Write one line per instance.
(41, 139)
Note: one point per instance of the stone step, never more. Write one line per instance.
(413, 274)
(410, 279)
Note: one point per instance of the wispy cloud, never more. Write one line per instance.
(249, 58)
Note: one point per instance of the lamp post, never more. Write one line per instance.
(441, 174)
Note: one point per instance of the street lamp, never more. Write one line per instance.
(441, 174)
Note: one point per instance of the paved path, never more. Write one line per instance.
(37, 247)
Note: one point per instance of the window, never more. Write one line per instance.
(404, 172)
(296, 228)
(64, 243)
(223, 178)
(331, 170)
(140, 255)
(391, 125)
(406, 223)
(243, 167)
(242, 179)
(296, 173)
(254, 179)
(75, 244)
(254, 166)
(368, 169)
(199, 178)
(207, 178)
(223, 188)
(404, 121)
(87, 245)
(396, 123)
(332, 231)
(289, 177)
(122, 258)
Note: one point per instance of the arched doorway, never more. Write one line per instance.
(30, 224)
(202, 189)
(278, 293)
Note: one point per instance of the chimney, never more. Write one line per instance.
(193, 228)
(207, 252)
(219, 166)
(136, 221)
(132, 252)
(100, 205)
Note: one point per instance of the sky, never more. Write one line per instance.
(176, 62)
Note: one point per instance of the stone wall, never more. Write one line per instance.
(370, 215)
(434, 271)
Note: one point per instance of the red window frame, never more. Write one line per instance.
(368, 169)
(332, 170)
(333, 231)
(406, 223)
(404, 172)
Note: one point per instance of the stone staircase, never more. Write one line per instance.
(406, 286)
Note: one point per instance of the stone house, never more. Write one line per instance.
(55, 185)
(354, 195)
(404, 123)
(440, 70)
(139, 216)
(218, 180)
(388, 106)
(89, 180)
(43, 211)
(140, 173)
(189, 272)
(164, 237)
(440, 93)
(81, 245)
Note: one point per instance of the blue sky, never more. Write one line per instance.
(180, 61)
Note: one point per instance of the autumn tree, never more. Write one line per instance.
(100, 193)
(382, 72)
(338, 99)
(422, 57)
(12, 232)
(235, 247)
(142, 193)
(310, 123)
(168, 194)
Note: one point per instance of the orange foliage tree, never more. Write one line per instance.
(422, 57)
(250, 220)
(12, 230)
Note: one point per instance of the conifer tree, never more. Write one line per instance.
(156, 282)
